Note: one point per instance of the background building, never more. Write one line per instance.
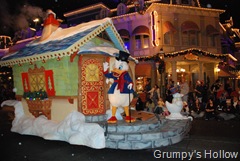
(186, 35)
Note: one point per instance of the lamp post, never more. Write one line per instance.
(36, 20)
(160, 64)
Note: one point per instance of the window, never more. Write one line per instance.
(38, 79)
(103, 13)
(127, 44)
(141, 41)
(146, 41)
(141, 3)
(185, 39)
(212, 35)
(124, 33)
(193, 37)
(167, 38)
(190, 38)
(190, 32)
(212, 41)
(141, 37)
(121, 9)
(138, 41)
(168, 32)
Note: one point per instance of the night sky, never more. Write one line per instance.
(19, 15)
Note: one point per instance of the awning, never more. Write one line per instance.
(223, 73)
(124, 33)
(211, 30)
(189, 26)
(168, 27)
(141, 30)
(143, 70)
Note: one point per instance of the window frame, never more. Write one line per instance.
(48, 80)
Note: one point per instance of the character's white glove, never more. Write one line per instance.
(109, 80)
(105, 66)
(130, 86)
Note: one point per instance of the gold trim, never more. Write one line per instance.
(190, 56)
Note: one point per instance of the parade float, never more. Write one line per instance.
(61, 71)
(60, 85)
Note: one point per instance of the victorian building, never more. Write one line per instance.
(230, 39)
(186, 36)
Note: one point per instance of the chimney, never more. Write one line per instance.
(50, 25)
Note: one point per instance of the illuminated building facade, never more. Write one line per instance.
(189, 35)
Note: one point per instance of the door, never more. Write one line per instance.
(91, 85)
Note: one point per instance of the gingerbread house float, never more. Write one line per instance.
(62, 70)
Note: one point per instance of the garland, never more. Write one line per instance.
(184, 52)
(35, 95)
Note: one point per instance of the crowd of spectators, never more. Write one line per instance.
(217, 101)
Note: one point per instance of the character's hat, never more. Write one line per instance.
(174, 90)
(123, 56)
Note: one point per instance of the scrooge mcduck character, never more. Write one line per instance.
(121, 91)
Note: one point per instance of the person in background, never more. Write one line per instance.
(147, 88)
(184, 89)
(155, 94)
(150, 105)
(160, 107)
(229, 112)
(210, 110)
(139, 104)
(197, 109)
(228, 87)
(215, 87)
(221, 100)
(199, 91)
(185, 109)
(205, 93)
(235, 93)
(169, 96)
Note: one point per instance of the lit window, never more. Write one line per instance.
(146, 41)
(142, 41)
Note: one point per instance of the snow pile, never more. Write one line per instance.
(72, 129)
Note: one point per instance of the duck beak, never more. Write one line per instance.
(117, 72)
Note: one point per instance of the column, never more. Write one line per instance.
(200, 77)
(174, 73)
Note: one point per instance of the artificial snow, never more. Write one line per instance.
(72, 129)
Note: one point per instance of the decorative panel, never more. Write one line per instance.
(92, 99)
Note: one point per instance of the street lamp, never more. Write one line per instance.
(36, 20)
(160, 65)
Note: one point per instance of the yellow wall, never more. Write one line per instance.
(59, 110)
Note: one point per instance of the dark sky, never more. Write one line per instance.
(19, 15)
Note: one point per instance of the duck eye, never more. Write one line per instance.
(120, 67)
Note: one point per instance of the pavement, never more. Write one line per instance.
(207, 140)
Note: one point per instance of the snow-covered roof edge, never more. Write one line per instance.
(106, 24)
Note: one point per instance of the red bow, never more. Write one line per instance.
(121, 82)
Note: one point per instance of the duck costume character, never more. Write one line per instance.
(121, 91)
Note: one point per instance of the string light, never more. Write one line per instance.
(194, 51)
